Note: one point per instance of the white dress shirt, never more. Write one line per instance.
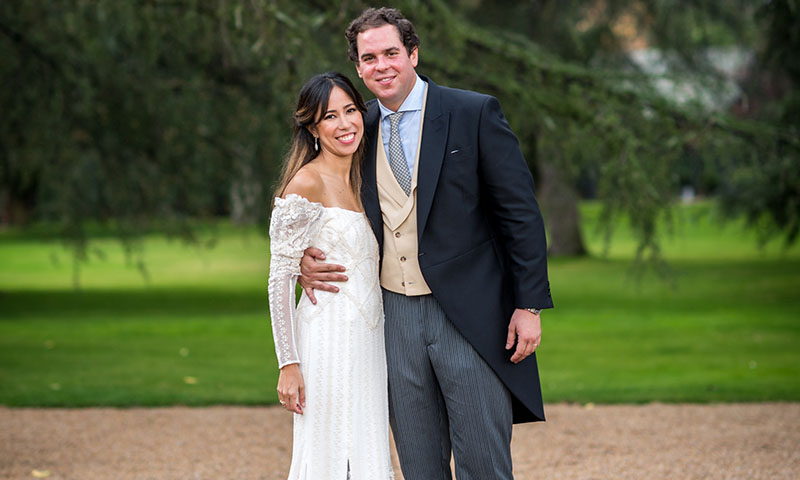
(409, 124)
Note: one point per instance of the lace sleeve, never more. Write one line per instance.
(292, 227)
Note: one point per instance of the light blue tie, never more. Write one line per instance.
(397, 159)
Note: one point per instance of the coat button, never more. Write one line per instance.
(396, 234)
(402, 259)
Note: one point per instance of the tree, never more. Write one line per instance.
(152, 114)
(147, 114)
(607, 126)
(766, 187)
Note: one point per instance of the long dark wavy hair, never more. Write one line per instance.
(312, 101)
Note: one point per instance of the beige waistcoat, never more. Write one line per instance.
(400, 272)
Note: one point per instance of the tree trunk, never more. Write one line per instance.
(559, 202)
(245, 193)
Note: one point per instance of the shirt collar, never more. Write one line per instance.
(413, 101)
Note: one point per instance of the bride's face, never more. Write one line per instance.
(341, 127)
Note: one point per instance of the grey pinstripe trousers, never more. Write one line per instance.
(442, 396)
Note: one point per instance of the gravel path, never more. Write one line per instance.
(739, 441)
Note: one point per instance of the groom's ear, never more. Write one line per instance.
(358, 69)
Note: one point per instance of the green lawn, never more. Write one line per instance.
(723, 327)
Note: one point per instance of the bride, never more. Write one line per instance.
(331, 354)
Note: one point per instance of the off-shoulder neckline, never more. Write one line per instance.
(300, 197)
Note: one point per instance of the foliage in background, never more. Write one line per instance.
(146, 114)
(767, 187)
(151, 113)
(600, 117)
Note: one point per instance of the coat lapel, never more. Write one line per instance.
(431, 155)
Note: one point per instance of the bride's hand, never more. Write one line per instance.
(291, 389)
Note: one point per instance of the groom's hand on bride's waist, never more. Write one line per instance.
(314, 273)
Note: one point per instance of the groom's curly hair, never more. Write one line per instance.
(377, 17)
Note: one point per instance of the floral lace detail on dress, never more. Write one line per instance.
(294, 223)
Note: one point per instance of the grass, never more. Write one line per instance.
(723, 327)
(197, 333)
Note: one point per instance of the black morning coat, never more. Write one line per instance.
(481, 238)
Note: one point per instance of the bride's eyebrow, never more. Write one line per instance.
(334, 111)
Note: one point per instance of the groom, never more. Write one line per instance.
(463, 265)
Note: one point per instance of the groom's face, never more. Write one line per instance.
(385, 66)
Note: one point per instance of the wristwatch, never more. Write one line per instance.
(535, 311)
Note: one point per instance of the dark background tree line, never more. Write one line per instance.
(149, 115)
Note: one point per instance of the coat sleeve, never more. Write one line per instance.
(508, 184)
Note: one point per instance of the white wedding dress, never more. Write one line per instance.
(344, 429)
